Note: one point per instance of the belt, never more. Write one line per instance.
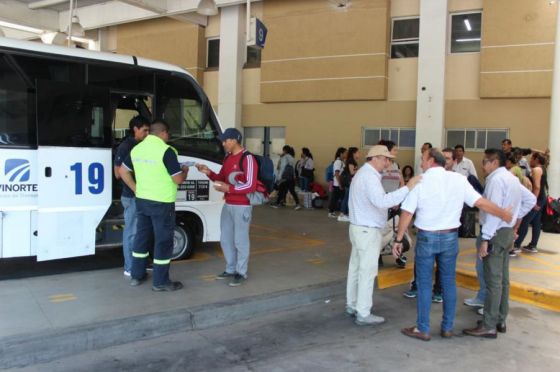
(440, 231)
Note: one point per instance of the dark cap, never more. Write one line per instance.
(230, 133)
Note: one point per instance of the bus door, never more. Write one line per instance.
(75, 165)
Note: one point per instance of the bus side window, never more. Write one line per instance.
(17, 108)
(73, 115)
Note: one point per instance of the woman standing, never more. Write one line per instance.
(337, 192)
(533, 218)
(349, 171)
(286, 177)
(306, 168)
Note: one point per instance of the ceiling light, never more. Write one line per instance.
(2, 33)
(467, 40)
(77, 28)
(15, 26)
(207, 8)
(467, 24)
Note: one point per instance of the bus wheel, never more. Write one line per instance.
(183, 242)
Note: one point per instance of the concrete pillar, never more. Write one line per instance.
(430, 99)
(554, 133)
(232, 58)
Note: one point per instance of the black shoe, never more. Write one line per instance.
(224, 275)
(501, 327)
(530, 248)
(137, 282)
(238, 279)
(169, 287)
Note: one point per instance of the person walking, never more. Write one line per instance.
(369, 205)
(157, 173)
(287, 179)
(337, 191)
(350, 169)
(139, 127)
(437, 202)
(503, 189)
(236, 214)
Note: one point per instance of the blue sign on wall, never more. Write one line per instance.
(260, 34)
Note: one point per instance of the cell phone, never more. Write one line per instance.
(188, 163)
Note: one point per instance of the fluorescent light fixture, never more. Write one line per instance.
(467, 40)
(207, 8)
(77, 29)
(2, 33)
(15, 26)
(467, 24)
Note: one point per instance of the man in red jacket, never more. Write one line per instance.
(237, 178)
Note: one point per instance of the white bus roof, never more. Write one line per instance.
(87, 54)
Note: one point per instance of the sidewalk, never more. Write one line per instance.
(298, 257)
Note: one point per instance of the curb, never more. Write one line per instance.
(45, 346)
(532, 295)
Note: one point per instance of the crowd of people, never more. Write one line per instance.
(434, 197)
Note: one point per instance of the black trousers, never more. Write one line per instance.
(336, 196)
(283, 188)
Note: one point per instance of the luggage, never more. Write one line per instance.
(551, 216)
(306, 199)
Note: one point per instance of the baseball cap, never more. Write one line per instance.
(230, 133)
(379, 150)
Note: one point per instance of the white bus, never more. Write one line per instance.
(60, 109)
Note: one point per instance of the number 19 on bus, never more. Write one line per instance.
(95, 178)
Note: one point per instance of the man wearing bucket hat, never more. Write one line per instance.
(236, 179)
(368, 215)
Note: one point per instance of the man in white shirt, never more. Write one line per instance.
(463, 165)
(502, 188)
(438, 201)
(368, 215)
(425, 146)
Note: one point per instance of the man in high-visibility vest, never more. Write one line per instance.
(157, 172)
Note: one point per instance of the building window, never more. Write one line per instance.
(404, 37)
(465, 32)
(477, 139)
(253, 57)
(405, 138)
(213, 53)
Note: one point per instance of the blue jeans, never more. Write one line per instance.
(532, 218)
(156, 222)
(481, 295)
(304, 183)
(129, 232)
(443, 248)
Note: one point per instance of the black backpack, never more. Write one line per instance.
(265, 170)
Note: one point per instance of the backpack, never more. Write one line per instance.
(265, 170)
(329, 173)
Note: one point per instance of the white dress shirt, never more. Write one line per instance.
(438, 199)
(368, 201)
(465, 167)
(505, 190)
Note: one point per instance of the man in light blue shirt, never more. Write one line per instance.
(368, 215)
(504, 189)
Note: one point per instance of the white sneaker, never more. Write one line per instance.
(126, 273)
(369, 320)
(480, 311)
(474, 302)
(297, 207)
(332, 215)
(343, 218)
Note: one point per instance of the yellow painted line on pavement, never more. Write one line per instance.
(315, 261)
(208, 278)
(392, 277)
(465, 252)
(64, 297)
(542, 262)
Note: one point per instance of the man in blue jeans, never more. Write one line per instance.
(138, 130)
(437, 202)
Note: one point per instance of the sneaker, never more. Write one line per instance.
(350, 312)
(512, 253)
(517, 249)
(332, 215)
(238, 279)
(169, 287)
(150, 268)
(474, 302)
(411, 293)
(126, 273)
(529, 248)
(480, 311)
(275, 206)
(343, 218)
(297, 207)
(437, 298)
(369, 320)
(224, 275)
